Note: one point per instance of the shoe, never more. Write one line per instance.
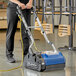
(10, 59)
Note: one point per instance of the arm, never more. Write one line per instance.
(15, 1)
(30, 1)
(23, 6)
(29, 4)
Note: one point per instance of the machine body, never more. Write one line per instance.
(45, 60)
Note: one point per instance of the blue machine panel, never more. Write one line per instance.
(53, 59)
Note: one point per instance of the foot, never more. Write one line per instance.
(11, 59)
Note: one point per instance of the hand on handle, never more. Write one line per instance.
(23, 6)
(29, 5)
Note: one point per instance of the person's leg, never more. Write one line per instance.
(12, 20)
(25, 37)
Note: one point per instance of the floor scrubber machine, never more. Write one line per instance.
(41, 61)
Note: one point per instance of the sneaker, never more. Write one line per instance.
(11, 59)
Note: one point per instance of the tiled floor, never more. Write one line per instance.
(70, 69)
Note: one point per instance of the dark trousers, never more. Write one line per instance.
(12, 20)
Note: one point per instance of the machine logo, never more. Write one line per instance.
(31, 64)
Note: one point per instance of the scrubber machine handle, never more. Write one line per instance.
(19, 12)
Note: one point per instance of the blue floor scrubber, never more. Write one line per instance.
(54, 61)
(45, 60)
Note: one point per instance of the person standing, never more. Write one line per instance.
(12, 20)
